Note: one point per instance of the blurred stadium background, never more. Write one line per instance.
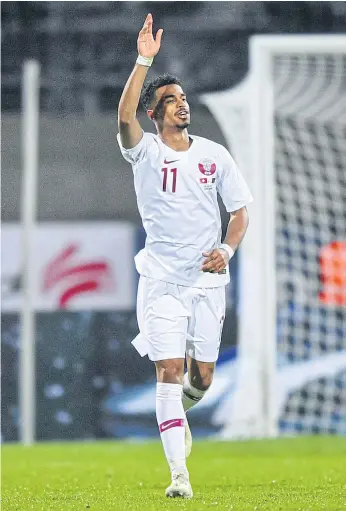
(89, 381)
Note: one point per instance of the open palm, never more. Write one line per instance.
(146, 44)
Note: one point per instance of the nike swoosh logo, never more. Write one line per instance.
(171, 424)
(168, 162)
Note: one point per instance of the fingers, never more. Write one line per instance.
(210, 256)
(149, 23)
(214, 262)
(213, 268)
(147, 26)
(159, 36)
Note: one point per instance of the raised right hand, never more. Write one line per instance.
(146, 44)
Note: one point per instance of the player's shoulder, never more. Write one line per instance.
(214, 148)
(152, 137)
(210, 144)
(151, 141)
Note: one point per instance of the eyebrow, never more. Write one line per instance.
(172, 95)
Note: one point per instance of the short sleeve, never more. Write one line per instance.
(140, 151)
(234, 191)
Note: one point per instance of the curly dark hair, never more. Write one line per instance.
(149, 89)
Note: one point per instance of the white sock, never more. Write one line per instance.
(191, 396)
(170, 418)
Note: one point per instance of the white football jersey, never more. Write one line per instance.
(177, 200)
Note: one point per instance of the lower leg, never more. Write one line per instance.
(170, 412)
(196, 381)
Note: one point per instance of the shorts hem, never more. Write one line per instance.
(201, 358)
(166, 356)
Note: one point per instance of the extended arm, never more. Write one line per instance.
(129, 127)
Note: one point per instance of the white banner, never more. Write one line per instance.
(79, 266)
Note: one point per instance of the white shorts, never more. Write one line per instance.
(174, 320)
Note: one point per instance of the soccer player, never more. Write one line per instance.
(184, 266)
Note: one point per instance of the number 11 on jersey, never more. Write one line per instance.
(165, 178)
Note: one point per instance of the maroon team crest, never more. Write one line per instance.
(207, 167)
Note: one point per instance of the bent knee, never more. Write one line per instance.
(202, 378)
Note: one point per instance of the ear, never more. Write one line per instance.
(150, 114)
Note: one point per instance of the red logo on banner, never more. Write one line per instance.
(77, 279)
(203, 180)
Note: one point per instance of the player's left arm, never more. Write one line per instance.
(235, 195)
(217, 259)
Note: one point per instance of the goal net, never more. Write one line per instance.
(286, 126)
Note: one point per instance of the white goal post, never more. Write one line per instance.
(30, 138)
(284, 126)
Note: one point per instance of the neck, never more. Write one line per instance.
(176, 139)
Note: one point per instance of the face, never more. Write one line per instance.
(171, 108)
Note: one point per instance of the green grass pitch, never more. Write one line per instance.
(306, 473)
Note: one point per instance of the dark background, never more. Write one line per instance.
(87, 49)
